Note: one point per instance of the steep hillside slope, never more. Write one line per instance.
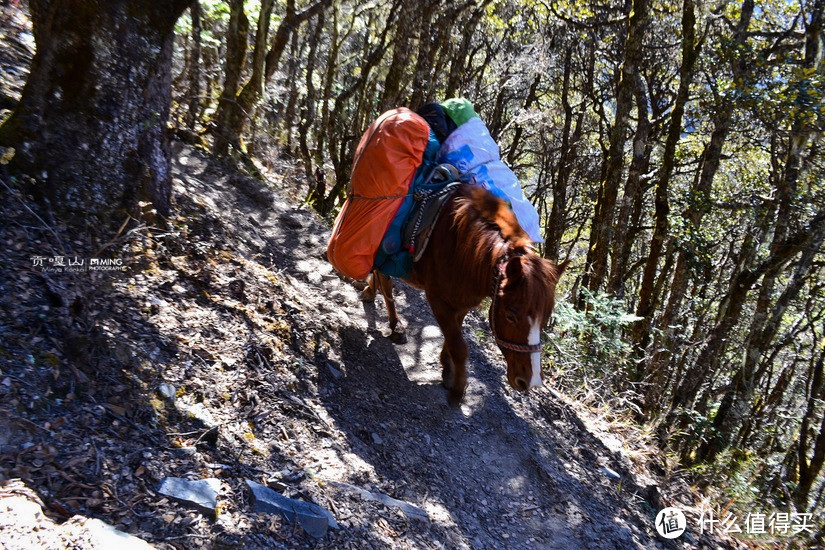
(227, 348)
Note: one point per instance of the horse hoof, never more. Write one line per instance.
(398, 335)
(396, 327)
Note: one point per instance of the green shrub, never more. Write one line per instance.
(589, 344)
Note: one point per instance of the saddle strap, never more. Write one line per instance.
(425, 214)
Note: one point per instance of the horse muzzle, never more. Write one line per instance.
(523, 384)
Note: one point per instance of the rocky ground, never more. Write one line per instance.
(226, 348)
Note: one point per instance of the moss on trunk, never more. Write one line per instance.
(91, 124)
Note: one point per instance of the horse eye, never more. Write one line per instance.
(510, 317)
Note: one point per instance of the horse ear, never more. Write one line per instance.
(553, 270)
(513, 270)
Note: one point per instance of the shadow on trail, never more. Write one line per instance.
(485, 476)
(274, 232)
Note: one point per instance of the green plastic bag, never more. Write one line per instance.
(459, 109)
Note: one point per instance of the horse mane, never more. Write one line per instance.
(537, 285)
(485, 228)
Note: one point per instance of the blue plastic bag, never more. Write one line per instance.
(472, 150)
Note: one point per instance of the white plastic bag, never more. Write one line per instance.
(472, 150)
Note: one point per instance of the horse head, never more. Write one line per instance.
(524, 284)
(523, 301)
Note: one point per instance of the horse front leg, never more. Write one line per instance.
(454, 351)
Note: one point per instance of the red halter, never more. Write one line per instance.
(502, 343)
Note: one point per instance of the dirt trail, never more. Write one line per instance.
(502, 471)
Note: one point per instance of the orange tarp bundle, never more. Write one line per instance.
(385, 162)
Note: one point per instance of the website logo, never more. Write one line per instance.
(670, 523)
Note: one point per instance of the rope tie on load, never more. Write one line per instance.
(424, 197)
(430, 198)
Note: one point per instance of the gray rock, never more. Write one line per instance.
(168, 391)
(335, 372)
(103, 535)
(409, 510)
(202, 494)
(612, 474)
(314, 519)
(23, 525)
(188, 450)
(199, 412)
(377, 439)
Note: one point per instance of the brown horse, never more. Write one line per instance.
(478, 249)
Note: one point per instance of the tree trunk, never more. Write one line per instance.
(442, 49)
(698, 205)
(339, 141)
(495, 120)
(512, 154)
(233, 68)
(423, 61)
(209, 58)
(647, 299)
(332, 63)
(731, 308)
(194, 92)
(600, 234)
(294, 92)
(736, 401)
(622, 241)
(558, 213)
(91, 123)
(401, 54)
(239, 115)
(233, 125)
(458, 63)
(809, 470)
(308, 113)
(735, 404)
